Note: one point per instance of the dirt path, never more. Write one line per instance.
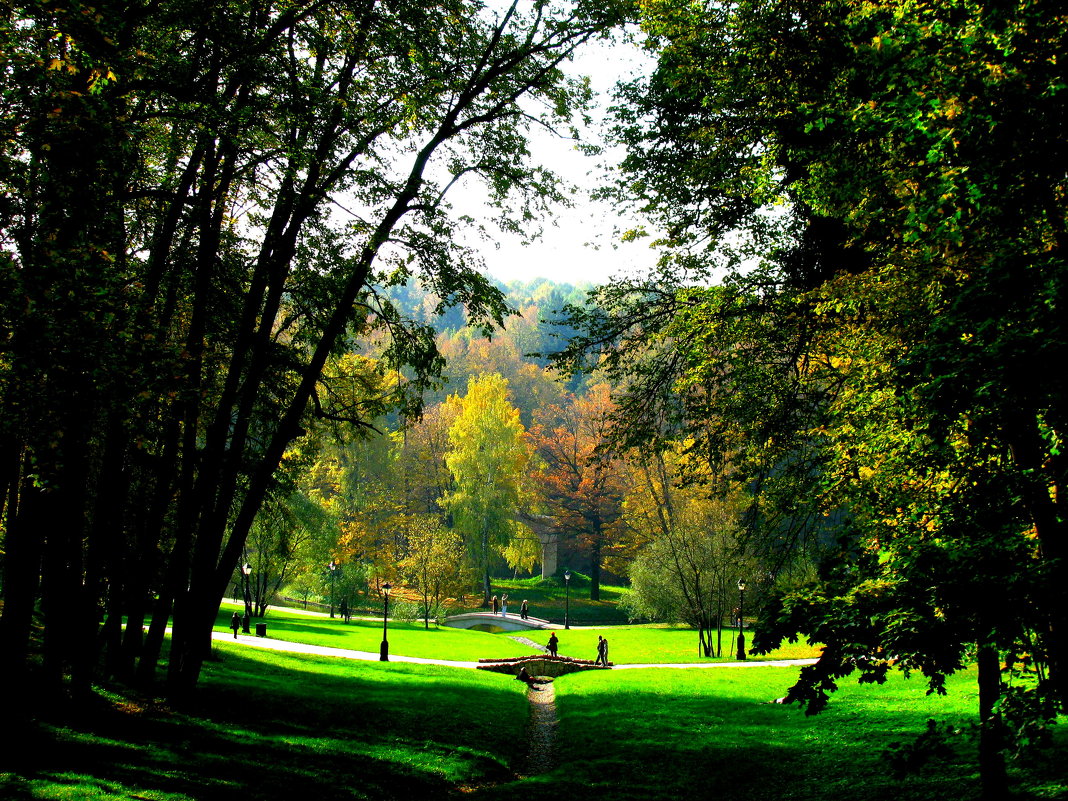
(541, 731)
(529, 643)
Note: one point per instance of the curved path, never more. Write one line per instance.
(323, 650)
(469, 620)
(372, 656)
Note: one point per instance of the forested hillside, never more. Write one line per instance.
(504, 442)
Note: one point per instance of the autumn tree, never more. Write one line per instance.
(530, 384)
(424, 443)
(434, 567)
(487, 457)
(579, 481)
(689, 548)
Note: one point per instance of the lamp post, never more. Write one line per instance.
(383, 655)
(567, 599)
(333, 575)
(246, 571)
(741, 603)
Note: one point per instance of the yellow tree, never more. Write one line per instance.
(421, 462)
(487, 457)
(434, 566)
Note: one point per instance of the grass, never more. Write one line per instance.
(548, 599)
(276, 726)
(709, 734)
(409, 639)
(643, 644)
(655, 644)
(270, 726)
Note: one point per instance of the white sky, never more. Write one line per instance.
(578, 244)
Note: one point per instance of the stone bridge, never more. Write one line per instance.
(487, 621)
(540, 665)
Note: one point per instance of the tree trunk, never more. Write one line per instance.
(22, 571)
(595, 567)
(1043, 505)
(719, 633)
(995, 784)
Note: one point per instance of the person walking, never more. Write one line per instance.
(496, 605)
(235, 623)
(553, 644)
(523, 612)
(602, 651)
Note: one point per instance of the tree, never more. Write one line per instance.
(580, 483)
(692, 553)
(421, 463)
(891, 166)
(204, 201)
(275, 541)
(434, 566)
(487, 458)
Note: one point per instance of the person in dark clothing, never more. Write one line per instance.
(523, 610)
(554, 643)
(531, 682)
(602, 651)
(235, 623)
(496, 605)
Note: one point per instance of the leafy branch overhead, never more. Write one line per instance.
(203, 206)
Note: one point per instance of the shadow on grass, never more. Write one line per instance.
(275, 727)
(694, 735)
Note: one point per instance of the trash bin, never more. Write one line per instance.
(261, 629)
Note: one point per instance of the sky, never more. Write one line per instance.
(578, 245)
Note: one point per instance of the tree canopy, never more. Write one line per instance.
(879, 188)
(203, 203)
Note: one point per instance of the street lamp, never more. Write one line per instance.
(567, 599)
(246, 571)
(741, 603)
(383, 655)
(333, 575)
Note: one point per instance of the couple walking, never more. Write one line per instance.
(602, 651)
(501, 606)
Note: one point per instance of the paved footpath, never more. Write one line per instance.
(373, 656)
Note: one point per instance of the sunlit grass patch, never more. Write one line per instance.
(407, 638)
(656, 644)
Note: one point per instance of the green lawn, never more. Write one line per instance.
(275, 727)
(409, 639)
(712, 734)
(549, 598)
(654, 644)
